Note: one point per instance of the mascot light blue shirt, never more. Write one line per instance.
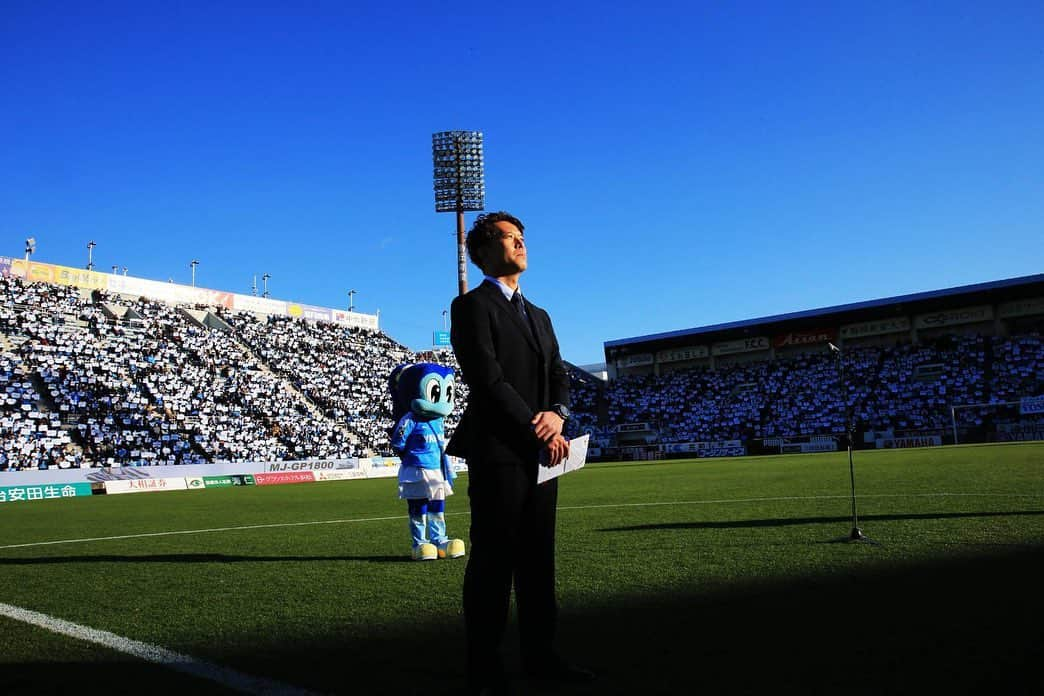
(419, 443)
(422, 396)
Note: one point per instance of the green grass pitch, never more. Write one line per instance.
(696, 576)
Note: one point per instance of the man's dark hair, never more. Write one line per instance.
(485, 231)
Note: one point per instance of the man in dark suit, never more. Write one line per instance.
(517, 405)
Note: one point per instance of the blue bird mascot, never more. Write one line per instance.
(422, 396)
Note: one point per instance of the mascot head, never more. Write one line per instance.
(426, 389)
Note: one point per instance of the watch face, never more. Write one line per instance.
(562, 411)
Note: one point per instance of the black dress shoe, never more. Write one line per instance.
(490, 683)
(500, 688)
(558, 670)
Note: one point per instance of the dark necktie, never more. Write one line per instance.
(516, 300)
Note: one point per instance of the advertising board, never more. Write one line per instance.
(804, 338)
(15, 494)
(680, 354)
(741, 345)
(1021, 308)
(283, 478)
(953, 317)
(342, 475)
(147, 485)
(878, 327)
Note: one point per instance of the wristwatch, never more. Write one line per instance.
(562, 411)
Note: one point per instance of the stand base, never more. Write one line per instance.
(856, 536)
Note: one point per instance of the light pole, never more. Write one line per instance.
(445, 326)
(264, 279)
(30, 248)
(192, 265)
(115, 269)
(253, 289)
(124, 270)
(351, 300)
(460, 184)
(90, 255)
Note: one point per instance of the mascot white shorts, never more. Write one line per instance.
(416, 483)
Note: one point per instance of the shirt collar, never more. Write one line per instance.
(507, 292)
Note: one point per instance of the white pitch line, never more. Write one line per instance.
(155, 654)
(799, 497)
(722, 501)
(198, 531)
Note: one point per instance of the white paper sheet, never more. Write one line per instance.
(576, 460)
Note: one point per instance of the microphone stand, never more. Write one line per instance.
(855, 536)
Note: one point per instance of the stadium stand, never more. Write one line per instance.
(135, 381)
(801, 396)
(95, 379)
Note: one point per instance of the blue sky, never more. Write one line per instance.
(675, 164)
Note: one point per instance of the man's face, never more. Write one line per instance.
(507, 256)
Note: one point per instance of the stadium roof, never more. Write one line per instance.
(1023, 282)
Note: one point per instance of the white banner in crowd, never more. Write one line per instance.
(1029, 405)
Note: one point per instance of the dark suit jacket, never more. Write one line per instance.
(511, 375)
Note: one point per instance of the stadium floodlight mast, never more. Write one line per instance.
(192, 264)
(30, 248)
(460, 184)
(445, 326)
(855, 536)
(90, 255)
(351, 300)
(115, 269)
(264, 279)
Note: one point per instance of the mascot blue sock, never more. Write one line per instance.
(418, 523)
(437, 522)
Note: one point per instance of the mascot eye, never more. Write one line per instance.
(433, 391)
(449, 394)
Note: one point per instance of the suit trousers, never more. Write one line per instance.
(512, 541)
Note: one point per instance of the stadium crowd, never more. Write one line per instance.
(95, 380)
(901, 388)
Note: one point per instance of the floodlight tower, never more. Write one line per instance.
(460, 184)
(30, 248)
(351, 300)
(90, 255)
(192, 264)
(264, 279)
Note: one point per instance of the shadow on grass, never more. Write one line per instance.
(955, 625)
(197, 558)
(118, 677)
(791, 521)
